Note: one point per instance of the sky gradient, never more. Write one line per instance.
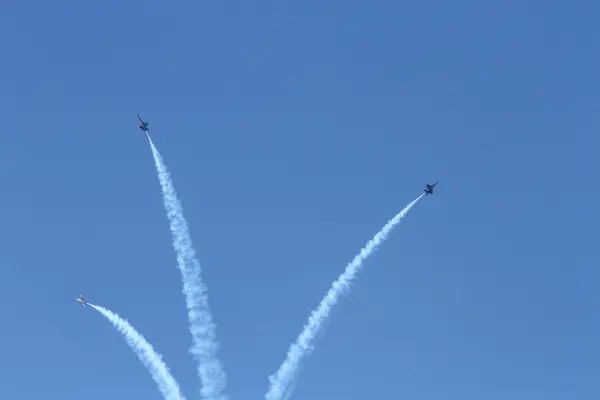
(293, 132)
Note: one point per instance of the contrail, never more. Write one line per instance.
(150, 358)
(280, 382)
(204, 347)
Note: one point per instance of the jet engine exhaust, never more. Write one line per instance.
(167, 385)
(285, 376)
(204, 343)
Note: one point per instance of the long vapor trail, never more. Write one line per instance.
(204, 343)
(280, 382)
(150, 358)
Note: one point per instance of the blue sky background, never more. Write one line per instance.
(294, 131)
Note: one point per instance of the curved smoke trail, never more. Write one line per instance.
(280, 382)
(202, 327)
(150, 358)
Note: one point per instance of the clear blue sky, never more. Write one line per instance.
(294, 132)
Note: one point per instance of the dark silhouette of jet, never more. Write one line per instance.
(429, 189)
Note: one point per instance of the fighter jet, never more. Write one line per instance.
(143, 125)
(429, 189)
(82, 300)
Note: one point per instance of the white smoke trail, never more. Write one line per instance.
(204, 347)
(150, 358)
(280, 382)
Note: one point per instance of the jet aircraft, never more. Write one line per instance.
(143, 125)
(429, 189)
(82, 300)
